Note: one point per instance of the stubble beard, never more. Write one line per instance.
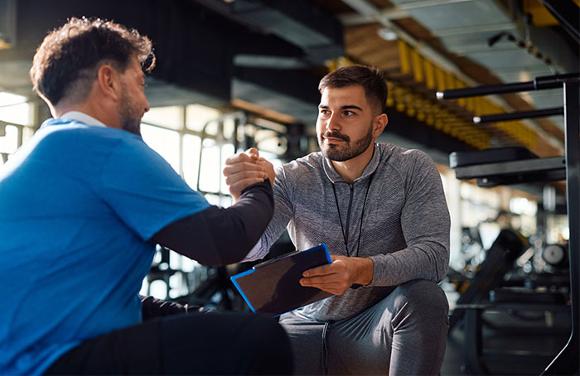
(346, 150)
(130, 120)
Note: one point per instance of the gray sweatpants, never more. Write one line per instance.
(403, 334)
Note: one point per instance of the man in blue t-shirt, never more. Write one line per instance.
(82, 206)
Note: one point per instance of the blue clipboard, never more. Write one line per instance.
(272, 286)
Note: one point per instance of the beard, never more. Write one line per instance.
(130, 118)
(346, 150)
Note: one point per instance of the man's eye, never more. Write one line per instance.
(348, 113)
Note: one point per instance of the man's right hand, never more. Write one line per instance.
(245, 169)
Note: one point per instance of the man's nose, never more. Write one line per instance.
(147, 106)
(332, 122)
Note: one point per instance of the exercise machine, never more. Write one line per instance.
(493, 172)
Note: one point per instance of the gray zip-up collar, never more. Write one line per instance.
(335, 177)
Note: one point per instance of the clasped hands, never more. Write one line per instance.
(248, 168)
(245, 169)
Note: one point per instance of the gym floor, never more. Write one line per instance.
(514, 342)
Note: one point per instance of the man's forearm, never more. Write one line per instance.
(218, 236)
(427, 261)
(363, 270)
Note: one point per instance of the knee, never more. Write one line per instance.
(271, 342)
(423, 298)
(270, 333)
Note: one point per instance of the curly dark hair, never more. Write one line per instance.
(66, 62)
(371, 79)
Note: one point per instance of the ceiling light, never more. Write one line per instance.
(387, 34)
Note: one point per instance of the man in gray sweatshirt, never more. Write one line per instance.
(382, 212)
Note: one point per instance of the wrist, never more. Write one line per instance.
(364, 269)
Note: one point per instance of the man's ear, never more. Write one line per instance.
(379, 125)
(108, 81)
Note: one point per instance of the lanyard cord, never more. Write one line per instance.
(344, 238)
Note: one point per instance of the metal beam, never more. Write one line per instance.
(566, 12)
(545, 112)
(539, 83)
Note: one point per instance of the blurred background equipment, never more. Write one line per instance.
(496, 171)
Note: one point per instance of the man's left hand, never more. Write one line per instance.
(340, 275)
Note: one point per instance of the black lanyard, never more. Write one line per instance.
(344, 237)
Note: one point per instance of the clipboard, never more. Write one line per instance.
(272, 286)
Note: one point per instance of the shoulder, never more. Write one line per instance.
(411, 166)
(73, 141)
(405, 160)
(110, 146)
(403, 154)
(81, 133)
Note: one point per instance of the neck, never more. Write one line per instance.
(90, 108)
(353, 168)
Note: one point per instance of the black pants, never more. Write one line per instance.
(195, 343)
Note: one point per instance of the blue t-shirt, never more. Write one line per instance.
(78, 205)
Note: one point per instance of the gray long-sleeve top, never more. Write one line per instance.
(405, 224)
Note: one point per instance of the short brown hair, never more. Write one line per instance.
(371, 79)
(70, 54)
